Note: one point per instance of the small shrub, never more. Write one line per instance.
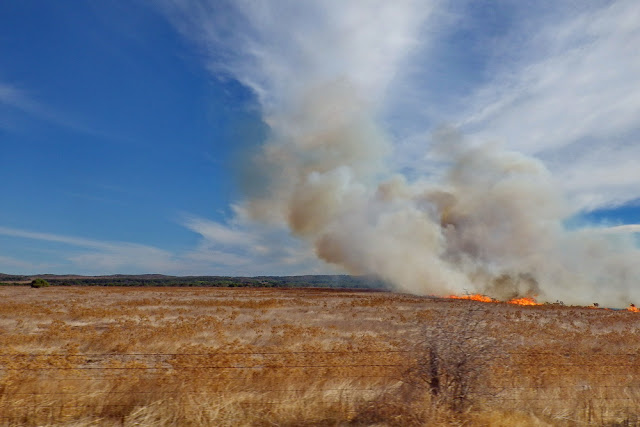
(39, 283)
(453, 359)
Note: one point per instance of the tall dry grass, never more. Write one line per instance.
(210, 356)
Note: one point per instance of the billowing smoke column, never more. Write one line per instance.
(492, 222)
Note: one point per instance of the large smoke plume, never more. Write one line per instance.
(491, 221)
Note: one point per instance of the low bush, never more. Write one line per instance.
(39, 283)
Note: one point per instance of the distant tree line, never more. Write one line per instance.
(9, 278)
(314, 281)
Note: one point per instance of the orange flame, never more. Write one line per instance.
(484, 298)
(474, 297)
(524, 301)
(527, 301)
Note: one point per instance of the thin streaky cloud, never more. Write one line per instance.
(11, 262)
(13, 97)
(104, 257)
(223, 249)
(626, 228)
(74, 241)
(218, 233)
(573, 100)
(563, 86)
(69, 240)
(23, 101)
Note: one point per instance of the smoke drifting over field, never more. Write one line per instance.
(491, 221)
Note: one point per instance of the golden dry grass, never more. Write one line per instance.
(292, 357)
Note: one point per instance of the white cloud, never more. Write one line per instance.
(217, 233)
(246, 248)
(602, 176)
(104, 257)
(566, 92)
(74, 241)
(223, 250)
(14, 264)
(18, 99)
(14, 98)
(277, 48)
(565, 87)
(622, 229)
(573, 100)
(11, 96)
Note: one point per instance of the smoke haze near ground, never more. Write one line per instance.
(491, 221)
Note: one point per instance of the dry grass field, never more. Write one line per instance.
(85, 356)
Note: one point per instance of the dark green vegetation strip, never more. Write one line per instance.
(313, 281)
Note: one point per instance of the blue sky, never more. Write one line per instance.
(129, 130)
(111, 129)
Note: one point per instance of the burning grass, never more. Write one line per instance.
(484, 298)
(211, 356)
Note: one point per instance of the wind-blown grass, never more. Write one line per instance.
(211, 356)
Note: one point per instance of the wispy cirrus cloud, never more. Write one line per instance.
(559, 80)
(16, 99)
(622, 229)
(218, 233)
(571, 97)
(50, 237)
(8, 263)
(245, 248)
(324, 83)
(223, 249)
(13, 97)
(321, 41)
(102, 257)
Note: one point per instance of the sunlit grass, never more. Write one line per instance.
(211, 356)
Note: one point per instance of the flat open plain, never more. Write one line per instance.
(290, 357)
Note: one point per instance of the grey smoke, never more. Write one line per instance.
(491, 222)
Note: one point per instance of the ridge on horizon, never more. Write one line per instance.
(150, 279)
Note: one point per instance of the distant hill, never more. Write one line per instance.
(316, 281)
(6, 278)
